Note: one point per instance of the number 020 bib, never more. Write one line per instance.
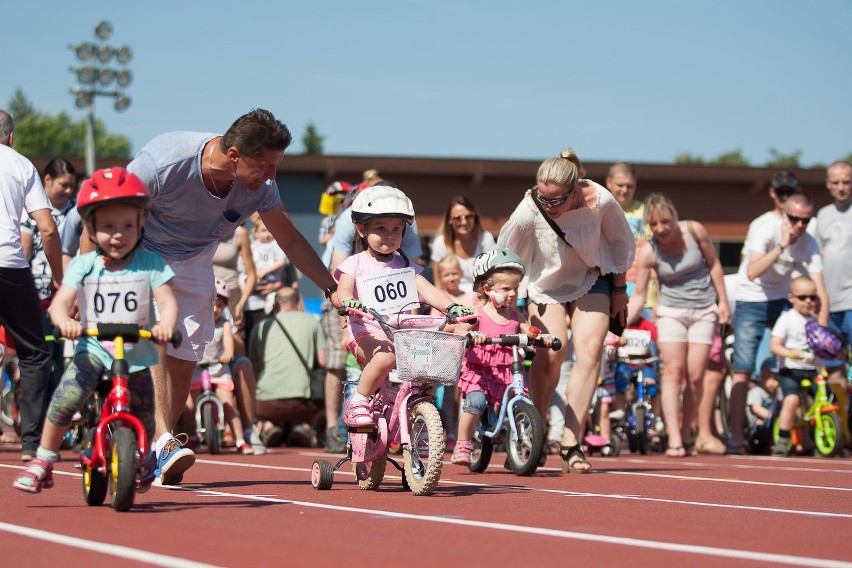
(390, 291)
(116, 299)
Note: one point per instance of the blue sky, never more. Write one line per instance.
(616, 80)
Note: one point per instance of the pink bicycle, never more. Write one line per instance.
(403, 409)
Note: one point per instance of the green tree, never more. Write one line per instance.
(783, 161)
(312, 140)
(41, 134)
(688, 159)
(19, 106)
(732, 158)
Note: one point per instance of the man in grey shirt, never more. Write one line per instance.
(834, 235)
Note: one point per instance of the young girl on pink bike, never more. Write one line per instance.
(382, 278)
(487, 368)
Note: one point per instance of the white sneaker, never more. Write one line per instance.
(256, 444)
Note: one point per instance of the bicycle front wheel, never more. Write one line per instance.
(524, 453)
(124, 458)
(210, 425)
(424, 459)
(828, 435)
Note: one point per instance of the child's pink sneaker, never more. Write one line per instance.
(461, 453)
(358, 413)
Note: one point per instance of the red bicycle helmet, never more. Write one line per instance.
(108, 186)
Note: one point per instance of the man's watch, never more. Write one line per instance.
(330, 290)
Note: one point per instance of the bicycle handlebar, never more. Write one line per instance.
(372, 314)
(128, 331)
(520, 339)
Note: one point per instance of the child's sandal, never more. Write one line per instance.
(39, 472)
(568, 466)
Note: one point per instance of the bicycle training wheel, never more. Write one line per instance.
(480, 453)
(524, 453)
(425, 458)
(209, 419)
(122, 465)
(322, 475)
(828, 435)
(94, 482)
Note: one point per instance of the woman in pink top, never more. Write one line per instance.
(576, 244)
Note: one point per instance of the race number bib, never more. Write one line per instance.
(638, 343)
(390, 291)
(120, 299)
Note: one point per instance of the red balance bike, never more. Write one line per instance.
(114, 451)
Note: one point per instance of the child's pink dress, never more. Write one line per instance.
(488, 368)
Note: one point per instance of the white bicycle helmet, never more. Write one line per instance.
(382, 201)
(496, 258)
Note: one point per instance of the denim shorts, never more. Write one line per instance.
(791, 380)
(839, 322)
(750, 323)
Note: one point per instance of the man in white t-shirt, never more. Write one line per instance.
(775, 252)
(20, 311)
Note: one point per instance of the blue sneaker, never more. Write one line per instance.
(174, 460)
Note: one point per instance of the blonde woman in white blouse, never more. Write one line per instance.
(581, 284)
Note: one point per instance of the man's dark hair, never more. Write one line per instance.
(255, 132)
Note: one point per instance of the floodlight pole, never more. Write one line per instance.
(94, 57)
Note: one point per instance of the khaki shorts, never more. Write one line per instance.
(687, 325)
(333, 336)
(194, 291)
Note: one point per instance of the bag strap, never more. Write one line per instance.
(290, 339)
(559, 232)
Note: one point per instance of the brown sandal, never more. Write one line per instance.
(569, 466)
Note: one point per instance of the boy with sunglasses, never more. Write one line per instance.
(790, 344)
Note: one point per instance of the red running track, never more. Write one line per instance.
(261, 510)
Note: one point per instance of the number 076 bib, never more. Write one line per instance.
(390, 291)
(120, 299)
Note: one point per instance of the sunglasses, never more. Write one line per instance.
(556, 202)
(804, 297)
(784, 192)
(793, 219)
(460, 218)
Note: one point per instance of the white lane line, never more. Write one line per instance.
(103, 548)
(722, 480)
(555, 533)
(445, 481)
(742, 466)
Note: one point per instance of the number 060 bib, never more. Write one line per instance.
(390, 291)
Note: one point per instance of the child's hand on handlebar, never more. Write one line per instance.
(476, 337)
(546, 338)
(162, 333)
(71, 329)
(351, 304)
(458, 311)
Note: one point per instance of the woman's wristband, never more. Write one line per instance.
(619, 290)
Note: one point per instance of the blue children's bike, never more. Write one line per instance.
(516, 419)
